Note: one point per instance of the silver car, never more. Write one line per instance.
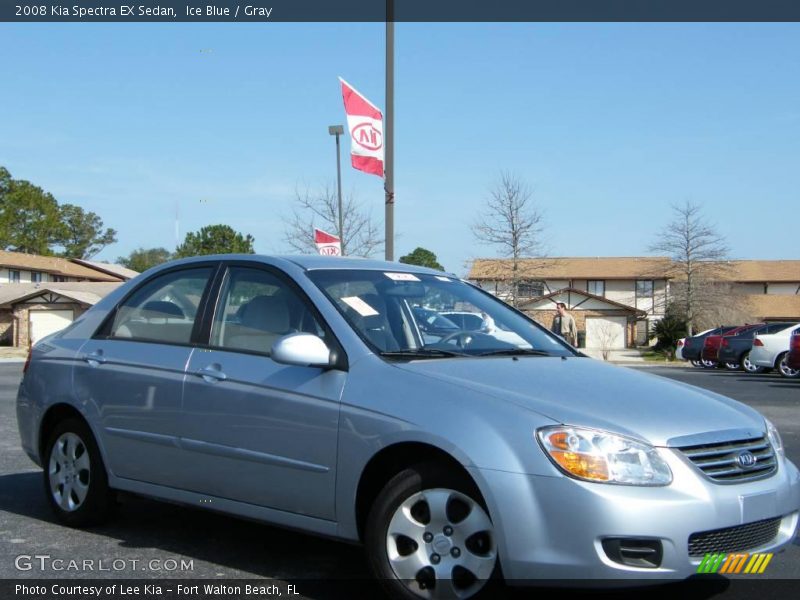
(300, 391)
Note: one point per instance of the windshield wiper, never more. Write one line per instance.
(516, 352)
(421, 353)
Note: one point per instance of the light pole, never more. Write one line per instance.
(388, 132)
(338, 130)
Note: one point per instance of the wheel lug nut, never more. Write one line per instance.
(455, 552)
(448, 530)
(428, 537)
(435, 558)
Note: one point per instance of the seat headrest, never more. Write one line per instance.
(266, 313)
(164, 308)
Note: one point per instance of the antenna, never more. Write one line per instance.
(177, 225)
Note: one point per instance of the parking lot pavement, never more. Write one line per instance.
(220, 547)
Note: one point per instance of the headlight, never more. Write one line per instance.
(600, 456)
(774, 437)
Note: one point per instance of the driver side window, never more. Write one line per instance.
(255, 309)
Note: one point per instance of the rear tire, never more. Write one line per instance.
(708, 364)
(75, 478)
(429, 535)
(733, 366)
(749, 367)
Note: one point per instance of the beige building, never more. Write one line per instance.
(597, 290)
(42, 294)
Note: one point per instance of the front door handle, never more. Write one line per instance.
(211, 373)
(95, 358)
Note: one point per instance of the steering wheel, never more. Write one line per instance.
(463, 338)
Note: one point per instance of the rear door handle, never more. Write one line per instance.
(95, 358)
(211, 374)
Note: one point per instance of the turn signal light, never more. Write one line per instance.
(582, 465)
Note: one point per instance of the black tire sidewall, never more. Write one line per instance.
(95, 507)
(397, 490)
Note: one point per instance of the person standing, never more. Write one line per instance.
(564, 325)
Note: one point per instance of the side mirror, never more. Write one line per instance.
(302, 350)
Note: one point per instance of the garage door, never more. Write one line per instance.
(605, 332)
(45, 322)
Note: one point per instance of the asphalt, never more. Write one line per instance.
(222, 547)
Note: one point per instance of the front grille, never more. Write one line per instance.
(734, 539)
(720, 462)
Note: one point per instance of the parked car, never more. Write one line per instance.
(469, 321)
(793, 358)
(298, 391)
(432, 325)
(734, 351)
(693, 346)
(770, 351)
(712, 344)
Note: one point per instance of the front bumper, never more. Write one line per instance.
(553, 527)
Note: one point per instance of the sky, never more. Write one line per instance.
(609, 125)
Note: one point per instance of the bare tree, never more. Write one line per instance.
(699, 255)
(320, 208)
(513, 224)
(607, 336)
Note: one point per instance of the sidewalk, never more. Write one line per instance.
(11, 354)
(630, 356)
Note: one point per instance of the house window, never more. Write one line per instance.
(644, 288)
(36, 277)
(596, 287)
(13, 277)
(59, 278)
(531, 289)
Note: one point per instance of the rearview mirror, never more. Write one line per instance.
(302, 350)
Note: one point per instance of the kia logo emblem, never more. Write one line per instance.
(366, 136)
(746, 459)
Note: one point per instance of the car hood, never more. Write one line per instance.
(587, 392)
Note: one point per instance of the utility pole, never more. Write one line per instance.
(338, 130)
(388, 131)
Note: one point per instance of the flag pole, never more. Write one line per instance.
(388, 131)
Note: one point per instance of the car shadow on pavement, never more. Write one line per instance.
(323, 569)
(242, 549)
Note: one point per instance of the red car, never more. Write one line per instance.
(712, 344)
(793, 358)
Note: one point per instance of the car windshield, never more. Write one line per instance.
(407, 315)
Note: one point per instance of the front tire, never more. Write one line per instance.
(429, 535)
(75, 479)
(784, 369)
(733, 366)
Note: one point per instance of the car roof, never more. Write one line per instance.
(315, 262)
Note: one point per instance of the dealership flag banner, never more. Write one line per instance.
(365, 124)
(327, 244)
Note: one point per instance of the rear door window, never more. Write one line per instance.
(163, 309)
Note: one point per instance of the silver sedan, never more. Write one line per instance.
(304, 392)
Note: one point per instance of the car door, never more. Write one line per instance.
(258, 431)
(132, 372)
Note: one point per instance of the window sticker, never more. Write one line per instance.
(361, 307)
(402, 277)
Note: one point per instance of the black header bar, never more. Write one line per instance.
(128, 11)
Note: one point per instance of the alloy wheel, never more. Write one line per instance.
(69, 471)
(440, 544)
(785, 370)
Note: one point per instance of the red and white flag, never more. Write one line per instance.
(365, 124)
(327, 244)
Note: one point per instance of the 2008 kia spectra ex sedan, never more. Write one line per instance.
(302, 392)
